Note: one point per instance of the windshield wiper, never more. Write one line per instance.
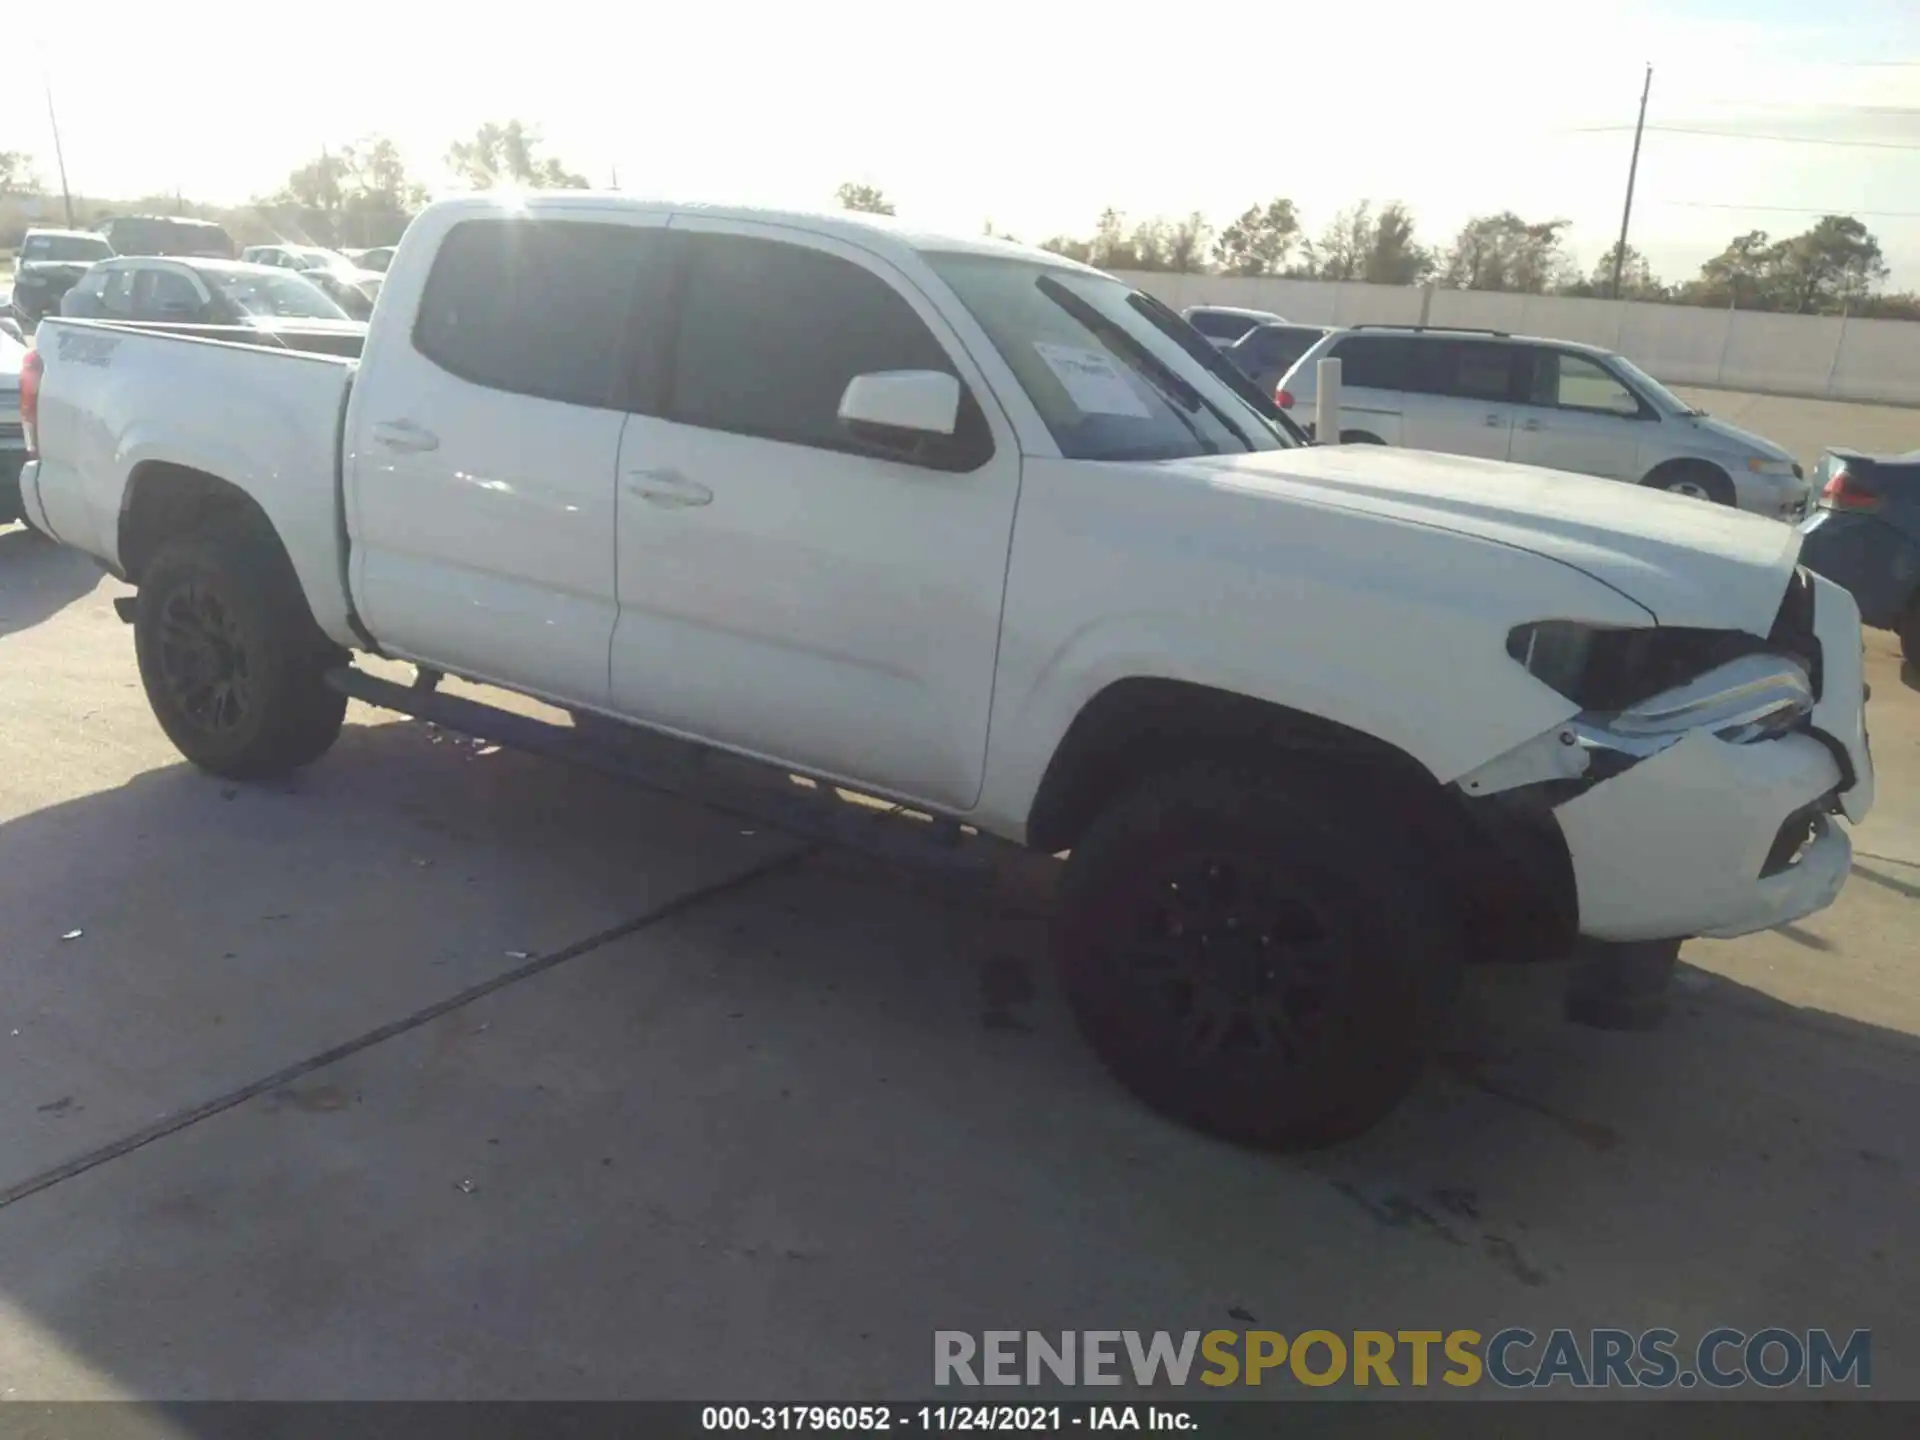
(1161, 375)
(1176, 329)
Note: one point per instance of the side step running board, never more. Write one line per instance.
(883, 831)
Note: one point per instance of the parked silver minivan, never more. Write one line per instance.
(1554, 403)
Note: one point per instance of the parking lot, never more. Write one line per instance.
(753, 1118)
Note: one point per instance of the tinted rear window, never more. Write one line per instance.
(537, 308)
(1379, 362)
(1220, 327)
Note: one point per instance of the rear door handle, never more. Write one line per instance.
(1496, 420)
(405, 437)
(667, 488)
(1531, 425)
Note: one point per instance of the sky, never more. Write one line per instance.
(1035, 114)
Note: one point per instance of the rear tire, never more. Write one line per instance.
(1910, 632)
(1262, 958)
(231, 659)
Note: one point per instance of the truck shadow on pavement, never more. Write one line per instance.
(767, 1143)
(38, 578)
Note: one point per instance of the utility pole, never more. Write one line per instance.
(1633, 169)
(58, 155)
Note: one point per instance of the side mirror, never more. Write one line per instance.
(901, 408)
(12, 328)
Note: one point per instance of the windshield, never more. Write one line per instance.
(65, 247)
(286, 297)
(1107, 376)
(1662, 397)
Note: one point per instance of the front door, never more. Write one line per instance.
(786, 590)
(1579, 416)
(481, 500)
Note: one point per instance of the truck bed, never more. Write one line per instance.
(120, 402)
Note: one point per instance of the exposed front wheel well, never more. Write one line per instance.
(1360, 437)
(1505, 858)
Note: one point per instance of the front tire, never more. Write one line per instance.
(231, 659)
(1910, 632)
(1264, 958)
(1697, 481)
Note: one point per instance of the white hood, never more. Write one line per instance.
(1688, 561)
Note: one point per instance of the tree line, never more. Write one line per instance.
(1833, 267)
(363, 194)
(352, 194)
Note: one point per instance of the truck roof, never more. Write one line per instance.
(875, 232)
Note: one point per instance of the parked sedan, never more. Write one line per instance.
(354, 291)
(50, 262)
(1865, 535)
(377, 259)
(219, 295)
(1224, 324)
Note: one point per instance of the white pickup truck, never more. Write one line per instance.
(979, 530)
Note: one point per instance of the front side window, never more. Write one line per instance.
(1573, 382)
(280, 297)
(1109, 379)
(770, 334)
(536, 307)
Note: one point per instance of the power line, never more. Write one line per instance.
(1746, 135)
(1796, 209)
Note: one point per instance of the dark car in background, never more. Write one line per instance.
(167, 235)
(215, 298)
(1267, 352)
(46, 267)
(1864, 534)
(1224, 324)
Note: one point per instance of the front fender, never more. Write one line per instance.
(1394, 630)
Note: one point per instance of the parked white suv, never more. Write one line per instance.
(1552, 403)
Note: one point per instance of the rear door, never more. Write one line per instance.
(483, 449)
(1460, 396)
(1579, 416)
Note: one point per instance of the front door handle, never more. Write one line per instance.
(405, 437)
(1496, 420)
(1531, 425)
(668, 488)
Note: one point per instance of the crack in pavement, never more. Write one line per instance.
(181, 1120)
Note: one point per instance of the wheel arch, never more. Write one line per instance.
(1714, 476)
(1505, 855)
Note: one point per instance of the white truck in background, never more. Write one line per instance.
(983, 531)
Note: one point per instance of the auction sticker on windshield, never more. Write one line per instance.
(1092, 381)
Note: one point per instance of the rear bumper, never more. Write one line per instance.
(1713, 838)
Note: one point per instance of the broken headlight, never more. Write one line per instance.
(1668, 680)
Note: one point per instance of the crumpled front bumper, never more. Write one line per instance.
(1677, 844)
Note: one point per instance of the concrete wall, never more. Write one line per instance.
(1814, 355)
